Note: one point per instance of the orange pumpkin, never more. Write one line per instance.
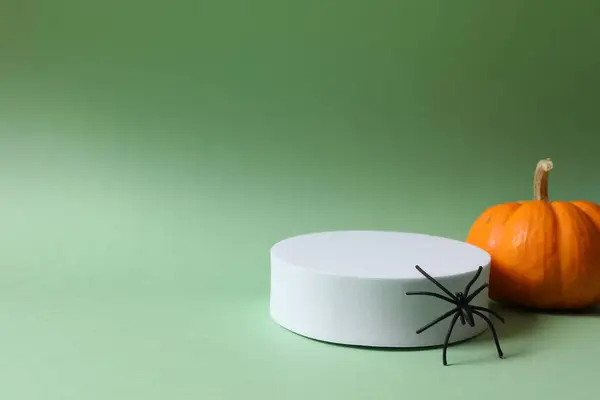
(545, 254)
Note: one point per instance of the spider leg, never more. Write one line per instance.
(439, 296)
(472, 281)
(448, 337)
(439, 319)
(484, 309)
(491, 325)
(436, 283)
(476, 292)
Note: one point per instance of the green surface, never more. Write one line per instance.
(152, 152)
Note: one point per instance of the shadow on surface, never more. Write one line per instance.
(402, 349)
(588, 312)
(518, 323)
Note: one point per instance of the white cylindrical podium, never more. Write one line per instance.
(349, 287)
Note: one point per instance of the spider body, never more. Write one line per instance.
(462, 309)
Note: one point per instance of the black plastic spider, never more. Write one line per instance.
(462, 309)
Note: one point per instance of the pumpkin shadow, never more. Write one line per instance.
(586, 312)
(518, 322)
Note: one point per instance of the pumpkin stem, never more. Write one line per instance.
(540, 179)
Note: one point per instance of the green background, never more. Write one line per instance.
(152, 152)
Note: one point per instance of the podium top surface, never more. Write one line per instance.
(379, 254)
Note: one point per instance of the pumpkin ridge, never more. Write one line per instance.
(580, 271)
(511, 254)
(544, 275)
(586, 207)
(557, 247)
(512, 212)
(591, 211)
